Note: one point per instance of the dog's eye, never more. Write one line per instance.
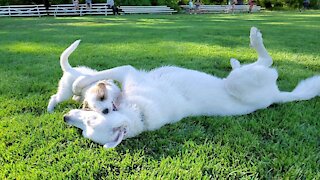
(106, 111)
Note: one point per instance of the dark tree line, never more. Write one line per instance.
(122, 2)
(273, 4)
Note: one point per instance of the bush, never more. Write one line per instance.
(171, 3)
(135, 2)
(287, 4)
(269, 4)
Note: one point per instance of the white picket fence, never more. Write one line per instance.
(147, 10)
(70, 10)
(222, 8)
(23, 10)
(102, 9)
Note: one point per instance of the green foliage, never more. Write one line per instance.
(207, 1)
(172, 3)
(271, 4)
(287, 4)
(280, 142)
(136, 2)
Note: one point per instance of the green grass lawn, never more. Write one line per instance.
(282, 141)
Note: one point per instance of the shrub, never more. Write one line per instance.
(270, 4)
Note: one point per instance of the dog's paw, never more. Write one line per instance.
(52, 103)
(77, 98)
(255, 37)
(50, 109)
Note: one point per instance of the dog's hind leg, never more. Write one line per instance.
(256, 42)
(57, 98)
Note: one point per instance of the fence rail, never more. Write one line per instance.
(70, 10)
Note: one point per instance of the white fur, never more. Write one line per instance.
(166, 95)
(70, 75)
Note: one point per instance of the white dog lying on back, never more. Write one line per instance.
(165, 95)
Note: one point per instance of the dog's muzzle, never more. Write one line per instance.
(66, 118)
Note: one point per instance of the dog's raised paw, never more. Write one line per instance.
(255, 37)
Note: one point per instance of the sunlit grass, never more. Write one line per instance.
(281, 142)
(26, 47)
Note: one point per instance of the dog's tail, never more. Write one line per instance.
(305, 90)
(64, 63)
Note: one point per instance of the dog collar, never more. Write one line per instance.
(114, 107)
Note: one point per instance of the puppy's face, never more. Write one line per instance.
(108, 130)
(101, 97)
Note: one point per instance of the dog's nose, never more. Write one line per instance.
(65, 118)
(105, 111)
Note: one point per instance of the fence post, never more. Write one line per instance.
(55, 11)
(38, 11)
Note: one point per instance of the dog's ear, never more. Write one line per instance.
(234, 63)
(122, 130)
(101, 90)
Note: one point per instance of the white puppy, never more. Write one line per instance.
(166, 95)
(102, 93)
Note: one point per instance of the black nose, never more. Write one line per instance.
(106, 111)
(65, 118)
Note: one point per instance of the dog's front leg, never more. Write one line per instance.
(117, 73)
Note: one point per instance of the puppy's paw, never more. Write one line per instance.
(50, 110)
(77, 98)
(255, 37)
(52, 103)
